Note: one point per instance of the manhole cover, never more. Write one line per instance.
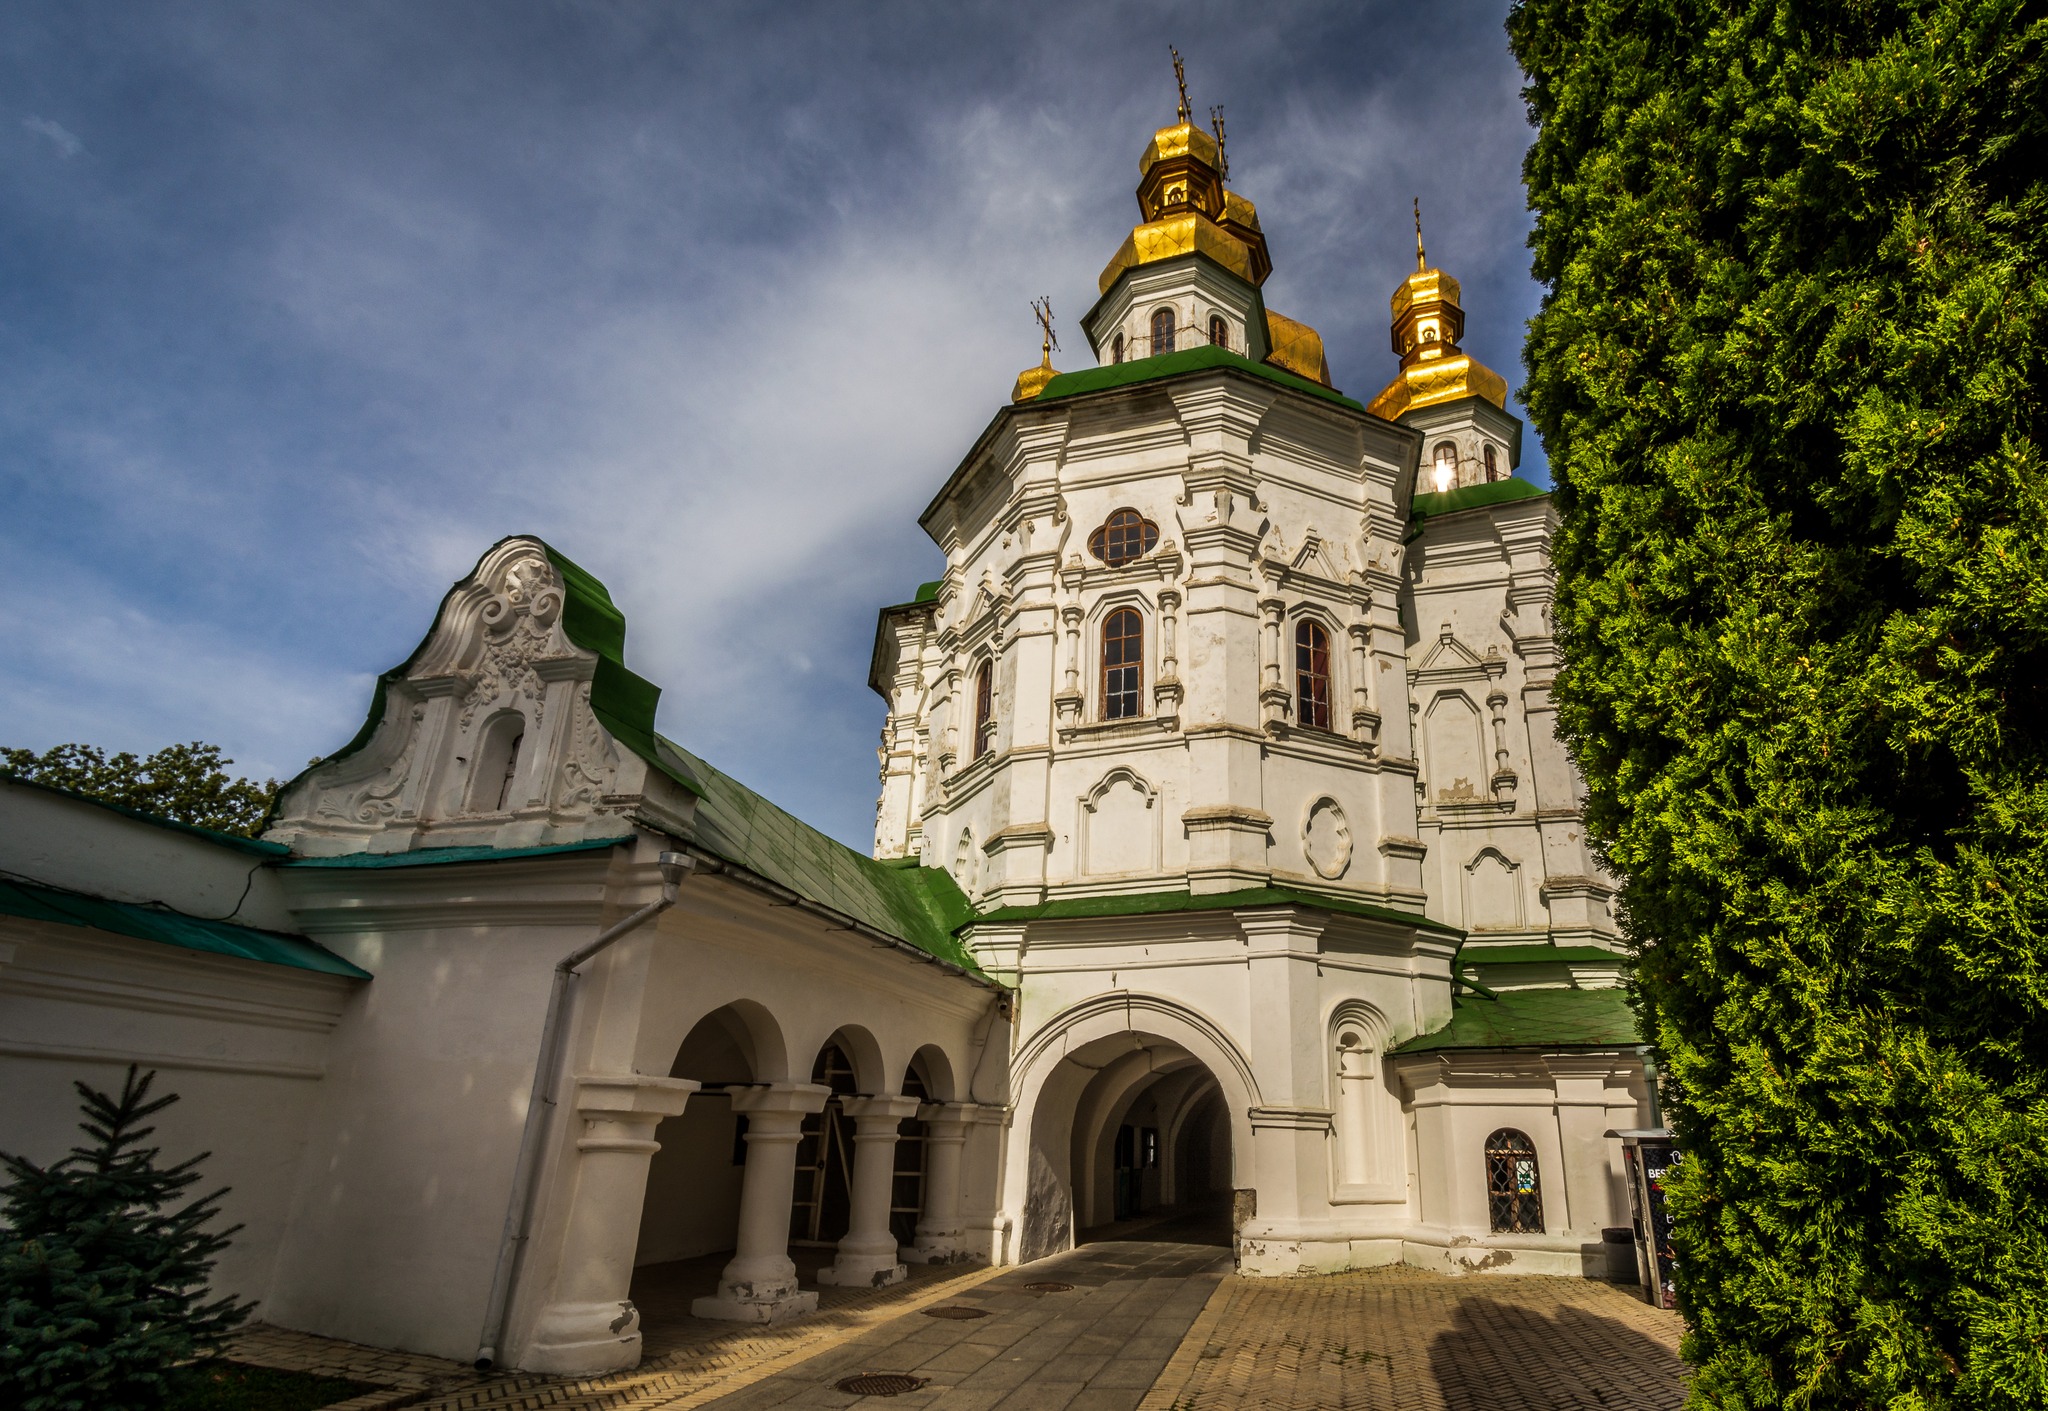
(881, 1384)
(1049, 1288)
(955, 1310)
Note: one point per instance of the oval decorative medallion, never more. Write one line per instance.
(1326, 838)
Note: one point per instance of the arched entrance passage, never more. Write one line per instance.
(1131, 1104)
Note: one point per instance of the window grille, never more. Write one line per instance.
(984, 709)
(1219, 331)
(1123, 664)
(1124, 536)
(1514, 1192)
(1312, 675)
(1162, 331)
(1492, 469)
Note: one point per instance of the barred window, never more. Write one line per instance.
(1219, 331)
(984, 709)
(1312, 675)
(1123, 663)
(1514, 1193)
(1124, 536)
(1492, 468)
(1162, 331)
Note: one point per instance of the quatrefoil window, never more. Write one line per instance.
(1124, 536)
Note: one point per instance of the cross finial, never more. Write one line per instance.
(1421, 261)
(1180, 77)
(1222, 153)
(1041, 309)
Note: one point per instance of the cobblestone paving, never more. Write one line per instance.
(1402, 1338)
(1154, 1324)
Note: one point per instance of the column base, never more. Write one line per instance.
(863, 1271)
(727, 1307)
(584, 1339)
(941, 1254)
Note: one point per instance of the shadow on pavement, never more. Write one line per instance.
(1497, 1355)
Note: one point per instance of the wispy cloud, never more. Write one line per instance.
(713, 297)
(67, 142)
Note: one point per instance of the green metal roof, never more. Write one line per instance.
(919, 905)
(431, 857)
(1538, 954)
(1163, 903)
(1544, 1019)
(622, 701)
(1096, 379)
(254, 847)
(171, 928)
(929, 592)
(1472, 497)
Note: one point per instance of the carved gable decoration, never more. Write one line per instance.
(486, 736)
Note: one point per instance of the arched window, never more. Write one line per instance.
(497, 765)
(1312, 675)
(1514, 1194)
(1219, 331)
(1492, 469)
(1124, 536)
(1162, 331)
(1116, 349)
(1123, 663)
(984, 709)
(1445, 472)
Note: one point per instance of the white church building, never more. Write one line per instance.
(1225, 857)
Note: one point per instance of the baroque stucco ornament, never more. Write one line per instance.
(487, 734)
(1326, 838)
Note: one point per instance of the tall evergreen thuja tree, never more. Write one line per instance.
(102, 1283)
(1790, 371)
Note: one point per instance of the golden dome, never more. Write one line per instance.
(1428, 322)
(1032, 380)
(1184, 210)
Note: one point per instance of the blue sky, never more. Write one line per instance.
(302, 307)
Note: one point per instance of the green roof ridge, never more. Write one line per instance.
(1096, 379)
(1166, 903)
(921, 906)
(1472, 497)
(1526, 1019)
(171, 928)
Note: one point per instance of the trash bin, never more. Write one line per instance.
(1649, 1156)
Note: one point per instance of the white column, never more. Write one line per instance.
(941, 1235)
(1275, 698)
(868, 1256)
(759, 1285)
(591, 1325)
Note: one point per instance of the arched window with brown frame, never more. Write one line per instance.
(1492, 466)
(1312, 674)
(1219, 331)
(1514, 1189)
(1162, 331)
(984, 709)
(1445, 470)
(1116, 349)
(1123, 664)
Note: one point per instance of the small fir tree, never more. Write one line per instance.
(102, 1282)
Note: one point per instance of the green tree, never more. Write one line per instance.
(184, 783)
(1789, 371)
(102, 1285)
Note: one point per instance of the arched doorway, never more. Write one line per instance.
(1130, 1131)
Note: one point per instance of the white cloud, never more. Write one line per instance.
(67, 143)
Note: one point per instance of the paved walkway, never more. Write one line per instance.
(1155, 1323)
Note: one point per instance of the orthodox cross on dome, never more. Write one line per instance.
(1180, 77)
(1222, 152)
(1041, 309)
(1421, 262)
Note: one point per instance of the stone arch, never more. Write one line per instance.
(938, 1073)
(1046, 1090)
(753, 1029)
(497, 761)
(870, 1070)
(1117, 825)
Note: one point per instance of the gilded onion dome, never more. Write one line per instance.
(1428, 322)
(1184, 209)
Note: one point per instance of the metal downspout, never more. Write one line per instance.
(540, 1103)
